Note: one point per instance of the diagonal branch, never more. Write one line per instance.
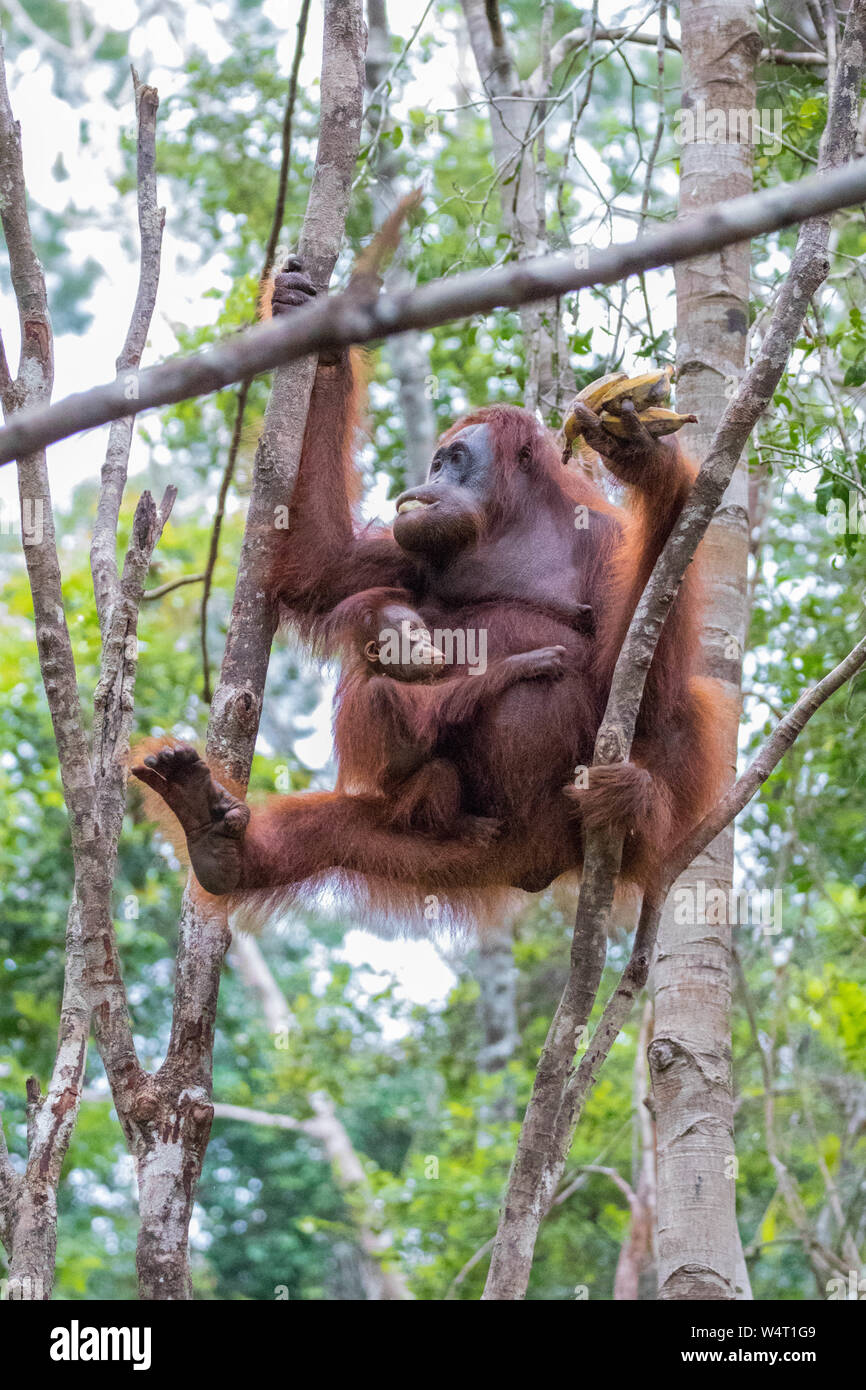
(768, 757)
(162, 589)
(548, 1126)
(349, 318)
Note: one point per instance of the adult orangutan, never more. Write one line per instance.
(501, 539)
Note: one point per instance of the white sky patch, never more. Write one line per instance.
(316, 748)
(423, 977)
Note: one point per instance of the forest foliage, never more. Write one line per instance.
(435, 1132)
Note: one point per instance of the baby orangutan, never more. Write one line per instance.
(413, 712)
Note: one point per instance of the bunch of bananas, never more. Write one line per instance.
(648, 393)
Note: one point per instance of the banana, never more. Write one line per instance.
(659, 421)
(656, 420)
(606, 397)
(593, 393)
(651, 389)
(590, 396)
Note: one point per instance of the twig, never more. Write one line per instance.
(286, 155)
(576, 38)
(656, 144)
(823, 1259)
(162, 589)
(216, 531)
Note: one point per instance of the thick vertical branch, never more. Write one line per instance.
(692, 978)
(118, 597)
(92, 982)
(244, 388)
(182, 1092)
(237, 702)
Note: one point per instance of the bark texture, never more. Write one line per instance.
(351, 318)
(93, 778)
(175, 1131)
(690, 1055)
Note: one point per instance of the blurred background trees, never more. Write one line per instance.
(427, 1078)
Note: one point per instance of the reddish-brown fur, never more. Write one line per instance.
(400, 715)
(545, 548)
(516, 757)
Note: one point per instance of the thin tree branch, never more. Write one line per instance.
(182, 1087)
(216, 532)
(162, 589)
(824, 1260)
(222, 1110)
(285, 159)
(576, 38)
(351, 318)
(31, 1225)
(94, 787)
(767, 758)
(325, 1127)
(151, 220)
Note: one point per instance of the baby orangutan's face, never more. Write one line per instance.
(404, 649)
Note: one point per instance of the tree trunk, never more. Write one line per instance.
(177, 1111)
(690, 1055)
